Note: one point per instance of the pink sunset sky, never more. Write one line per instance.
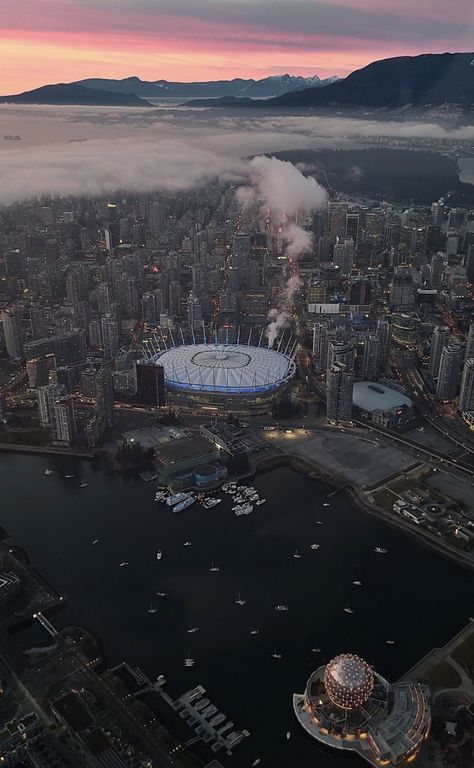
(48, 41)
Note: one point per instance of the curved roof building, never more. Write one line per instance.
(372, 396)
(349, 706)
(225, 375)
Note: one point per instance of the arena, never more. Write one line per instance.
(232, 378)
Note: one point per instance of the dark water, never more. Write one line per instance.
(410, 595)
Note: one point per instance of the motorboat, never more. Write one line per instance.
(48, 472)
(192, 630)
(214, 568)
(259, 502)
(319, 522)
(68, 476)
(187, 544)
(390, 642)
(281, 607)
(316, 650)
(348, 609)
(254, 631)
(184, 504)
(256, 762)
(326, 504)
(240, 600)
(209, 503)
(123, 564)
(83, 484)
(277, 656)
(159, 554)
(95, 541)
(315, 546)
(288, 734)
(161, 594)
(380, 550)
(357, 583)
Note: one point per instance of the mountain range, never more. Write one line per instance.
(419, 81)
(274, 85)
(72, 95)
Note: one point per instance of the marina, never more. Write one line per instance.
(254, 559)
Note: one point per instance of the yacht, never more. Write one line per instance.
(184, 504)
(380, 550)
(326, 504)
(259, 502)
(95, 541)
(175, 498)
(246, 508)
(187, 544)
(315, 546)
(296, 554)
(276, 656)
(159, 554)
(240, 601)
(357, 583)
(281, 607)
(192, 630)
(348, 609)
(214, 568)
(48, 471)
(209, 503)
(254, 631)
(152, 608)
(68, 476)
(123, 564)
(83, 484)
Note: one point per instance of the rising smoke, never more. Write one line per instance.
(281, 187)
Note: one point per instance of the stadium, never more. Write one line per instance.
(231, 378)
(347, 705)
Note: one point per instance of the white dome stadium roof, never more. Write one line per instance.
(219, 368)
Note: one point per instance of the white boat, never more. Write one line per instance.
(260, 502)
(95, 541)
(184, 504)
(315, 546)
(123, 564)
(83, 484)
(276, 656)
(175, 498)
(192, 630)
(239, 600)
(254, 631)
(161, 594)
(246, 509)
(159, 554)
(348, 609)
(326, 504)
(390, 642)
(281, 607)
(380, 550)
(187, 544)
(214, 568)
(319, 522)
(209, 503)
(152, 608)
(357, 583)
(316, 650)
(288, 734)
(296, 554)
(188, 662)
(48, 471)
(68, 476)
(256, 762)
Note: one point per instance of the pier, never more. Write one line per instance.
(209, 724)
(46, 624)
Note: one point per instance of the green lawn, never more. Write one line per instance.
(385, 499)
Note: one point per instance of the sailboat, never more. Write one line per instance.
(188, 662)
(348, 609)
(214, 568)
(240, 601)
(159, 554)
(152, 608)
(296, 554)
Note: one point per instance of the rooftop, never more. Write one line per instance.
(372, 396)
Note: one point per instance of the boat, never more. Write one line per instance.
(48, 472)
(319, 522)
(256, 762)
(209, 503)
(277, 656)
(254, 631)
(161, 594)
(160, 496)
(390, 642)
(159, 554)
(296, 554)
(316, 650)
(380, 550)
(214, 568)
(259, 502)
(152, 608)
(240, 601)
(246, 508)
(68, 476)
(315, 546)
(184, 504)
(288, 734)
(192, 630)
(123, 564)
(95, 541)
(12, 137)
(348, 609)
(326, 504)
(188, 662)
(175, 498)
(357, 583)
(281, 607)
(187, 544)
(83, 484)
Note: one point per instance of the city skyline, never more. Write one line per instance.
(66, 40)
